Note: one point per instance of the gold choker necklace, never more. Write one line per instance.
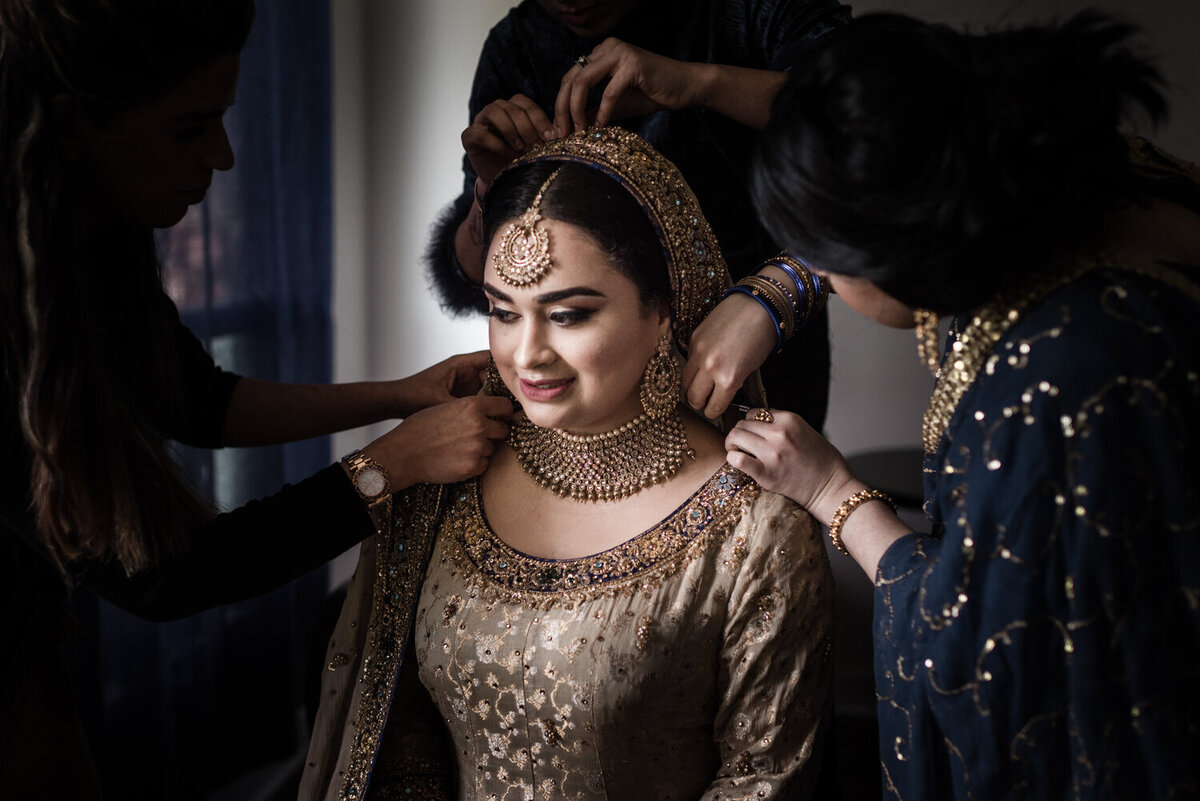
(602, 467)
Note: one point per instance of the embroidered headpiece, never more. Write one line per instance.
(696, 268)
(524, 253)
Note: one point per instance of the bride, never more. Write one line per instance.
(610, 610)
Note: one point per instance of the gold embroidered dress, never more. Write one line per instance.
(689, 662)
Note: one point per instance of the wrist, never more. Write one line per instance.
(369, 478)
(757, 314)
(705, 84)
(848, 507)
(480, 190)
(389, 450)
(406, 402)
(830, 498)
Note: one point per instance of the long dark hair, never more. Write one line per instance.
(595, 203)
(942, 166)
(88, 341)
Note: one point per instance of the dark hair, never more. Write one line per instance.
(597, 204)
(942, 166)
(88, 342)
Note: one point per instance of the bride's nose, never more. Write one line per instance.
(533, 347)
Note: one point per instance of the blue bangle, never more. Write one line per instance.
(744, 290)
(820, 287)
(792, 274)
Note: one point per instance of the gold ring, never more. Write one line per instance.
(763, 416)
(581, 62)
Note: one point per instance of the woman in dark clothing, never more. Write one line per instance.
(111, 125)
(1042, 641)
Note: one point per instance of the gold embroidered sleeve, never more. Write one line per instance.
(776, 663)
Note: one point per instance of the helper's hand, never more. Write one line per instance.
(443, 444)
(639, 82)
(503, 130)
(788, 456)
(455, 377)
(732, 342)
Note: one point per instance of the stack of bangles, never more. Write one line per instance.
(849, 505)
(788, 308)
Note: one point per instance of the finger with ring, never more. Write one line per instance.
(763, 416)
(582, 62)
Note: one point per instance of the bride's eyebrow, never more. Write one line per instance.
(563, 294)
(547, 297)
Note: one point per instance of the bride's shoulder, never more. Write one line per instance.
(772, 516)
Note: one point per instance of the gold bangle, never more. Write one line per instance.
(848, 506)
(765, 289)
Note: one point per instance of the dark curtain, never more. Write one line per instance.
(216, 706)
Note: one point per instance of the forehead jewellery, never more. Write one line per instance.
(695, 266)
(523, 256)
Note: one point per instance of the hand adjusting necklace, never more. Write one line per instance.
(647, 450)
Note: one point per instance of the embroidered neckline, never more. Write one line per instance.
(710, 511)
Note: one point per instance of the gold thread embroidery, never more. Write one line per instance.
(403, 551)
(638, 564)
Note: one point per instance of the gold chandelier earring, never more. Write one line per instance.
(927, 339)
(661, 381)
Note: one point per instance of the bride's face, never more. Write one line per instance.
(572, 347)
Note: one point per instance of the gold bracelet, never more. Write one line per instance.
(773, 294)
(848, 506)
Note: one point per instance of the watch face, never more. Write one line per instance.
(370, 482)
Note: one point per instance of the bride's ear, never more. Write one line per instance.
(664, 318)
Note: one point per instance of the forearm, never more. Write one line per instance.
(449, 256)
(243, 553)
(468, 245)
(267, 413)
(740, 93)
(870, 529)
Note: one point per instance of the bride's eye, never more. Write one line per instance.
(569, 316)
(501, 315)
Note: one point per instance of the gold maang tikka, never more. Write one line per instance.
(524, 253)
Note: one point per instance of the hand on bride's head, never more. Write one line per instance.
(503, 130)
